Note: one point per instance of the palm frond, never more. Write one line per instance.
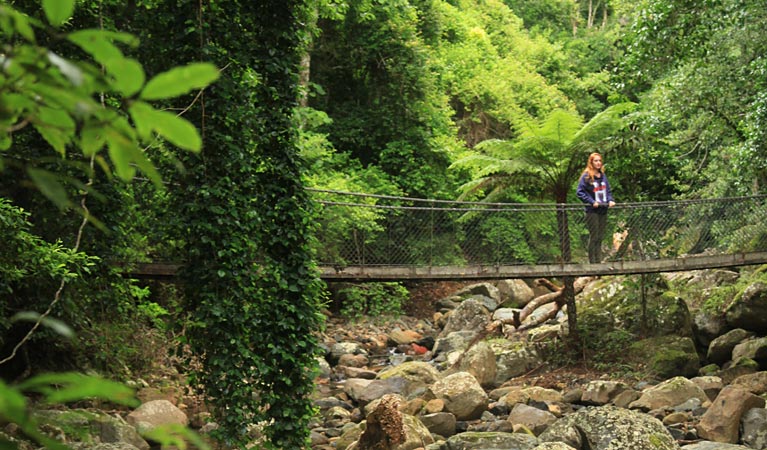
(604, 124)
(496, 147)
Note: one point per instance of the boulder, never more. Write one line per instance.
(668, 393)
(721, 421)
(365, 391)
(512, 359)
(755, 383)
(152, 414)
(708, 445)
(608, 428)
(483, 289)
(448, 343)
(462, 394)
(553, 446)
(441, 423)
(601, 392)
(754, 348)
(720, 349)
(490, 440)
(673, 356)
(749, 310)
(471, 315)
(110, 432)
(754, 426)
(343, 348)
(711, 385)
(707, 326)
(514, 293)
(738, 368)
(533, 419)
(480, 361)
(415, 371)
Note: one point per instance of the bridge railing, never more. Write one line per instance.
(373, 230)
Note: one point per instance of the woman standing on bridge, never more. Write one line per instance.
(594, 191)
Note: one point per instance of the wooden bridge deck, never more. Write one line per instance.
(484, 272)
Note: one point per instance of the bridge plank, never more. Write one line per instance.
(484, 272)
(394, 273)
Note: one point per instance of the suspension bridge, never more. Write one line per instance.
(377, 238)
(396, 238)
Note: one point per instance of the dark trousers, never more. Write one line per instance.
(596, 224)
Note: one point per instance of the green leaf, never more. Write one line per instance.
(141, 113)
(92, 138)
(180, 80)
(56, 126)
(22, 26)
(48, 184)
(71, 386)
(126, 155)
(58, 11)
(12, 404)
(121, 150)
(97, 43)
(173, 128)
(54, 324)
(128, 75)
(15, 103)
(69, 100)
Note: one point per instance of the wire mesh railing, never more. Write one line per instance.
(374, 230)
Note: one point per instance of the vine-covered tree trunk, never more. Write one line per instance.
(250, 279)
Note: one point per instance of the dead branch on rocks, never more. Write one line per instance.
(518, 318)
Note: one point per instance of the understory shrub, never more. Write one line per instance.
(372, 299)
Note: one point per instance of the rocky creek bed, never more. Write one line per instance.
(428, 382)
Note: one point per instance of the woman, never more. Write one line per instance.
(594, 191)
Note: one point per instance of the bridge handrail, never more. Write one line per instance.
(403, 231)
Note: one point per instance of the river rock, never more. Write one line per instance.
(418, 372)
(512, 359)
(480, 361)
(610, 428)
(601, 392)
(475, 440)
(515, 293)
(749, 310)
(668, 393)
(754, 426)
(534, 419)
(462, 394)
(471, 315)
(721, 421)
(720, 349)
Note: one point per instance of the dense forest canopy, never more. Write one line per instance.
(421, 98)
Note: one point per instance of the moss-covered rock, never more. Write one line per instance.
(610, 427)
(670, 356)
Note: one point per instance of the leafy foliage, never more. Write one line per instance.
(56, 96)
(699, 70)
(373, 300)
(546, 155)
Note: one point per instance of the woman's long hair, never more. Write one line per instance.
(590, 169)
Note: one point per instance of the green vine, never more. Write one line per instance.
(250, 277)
